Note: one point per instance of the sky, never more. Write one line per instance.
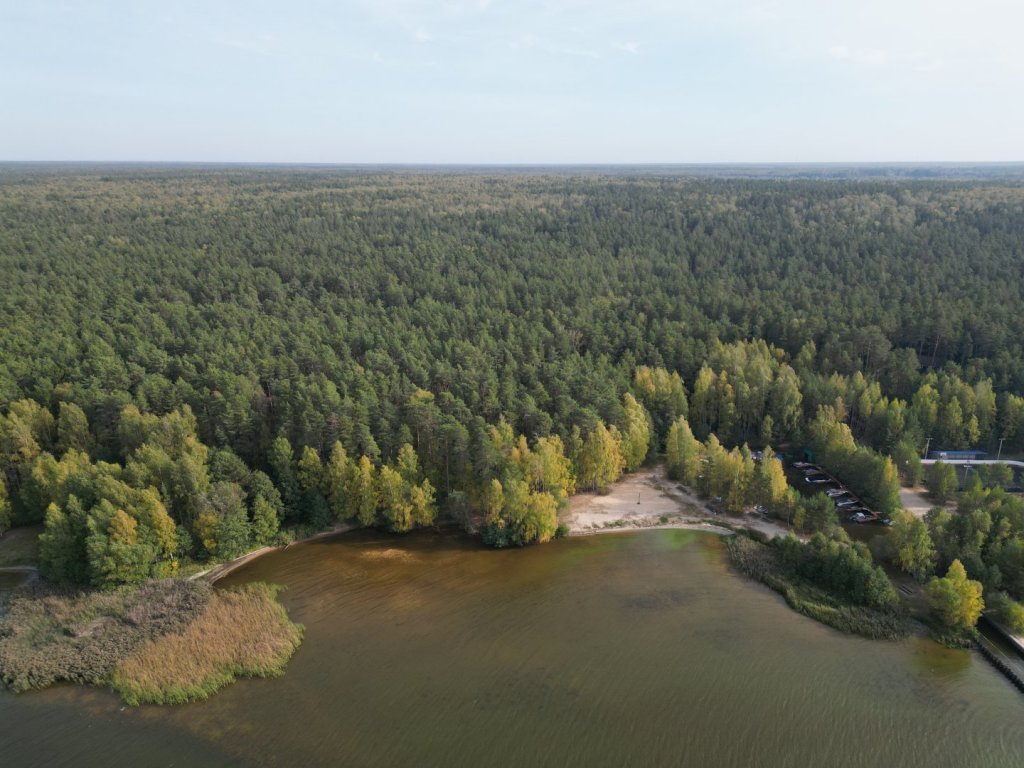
(504, 81)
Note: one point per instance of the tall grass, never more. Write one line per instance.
(241, 632)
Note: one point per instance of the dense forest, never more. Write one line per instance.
(192, 358)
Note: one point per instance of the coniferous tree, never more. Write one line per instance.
(281, 460)
(73, 430)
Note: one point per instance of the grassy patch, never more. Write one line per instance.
(241, 632)
(49, 635)
(20, 546)
(760, 562)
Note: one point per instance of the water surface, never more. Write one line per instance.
(627, 649)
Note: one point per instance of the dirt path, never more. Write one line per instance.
(915, 501)
(648, 499)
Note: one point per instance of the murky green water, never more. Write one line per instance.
(630, 649)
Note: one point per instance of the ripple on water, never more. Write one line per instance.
(639, 648)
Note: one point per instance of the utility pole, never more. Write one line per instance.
(1000, 452)
(927, 443)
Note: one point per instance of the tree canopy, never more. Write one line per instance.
(193, 358)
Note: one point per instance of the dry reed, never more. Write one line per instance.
(241, 632)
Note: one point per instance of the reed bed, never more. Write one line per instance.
(242, 632)
(49, 634)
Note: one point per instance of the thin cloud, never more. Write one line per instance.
(865, 57)
(261, 45)
(581, 53)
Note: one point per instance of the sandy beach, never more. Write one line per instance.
(648, 499)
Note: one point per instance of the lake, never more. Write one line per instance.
(638, 648)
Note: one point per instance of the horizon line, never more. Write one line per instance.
(522, 164)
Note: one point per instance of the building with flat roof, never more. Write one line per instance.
(959, 455)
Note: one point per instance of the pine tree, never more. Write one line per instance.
(281, 464)
(62, 551)
(73, 429)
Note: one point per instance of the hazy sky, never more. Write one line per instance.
(504, 81)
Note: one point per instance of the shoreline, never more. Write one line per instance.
(615, 511)
(694, 525)
(663, 506)
(19, 569)
(218, 572)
